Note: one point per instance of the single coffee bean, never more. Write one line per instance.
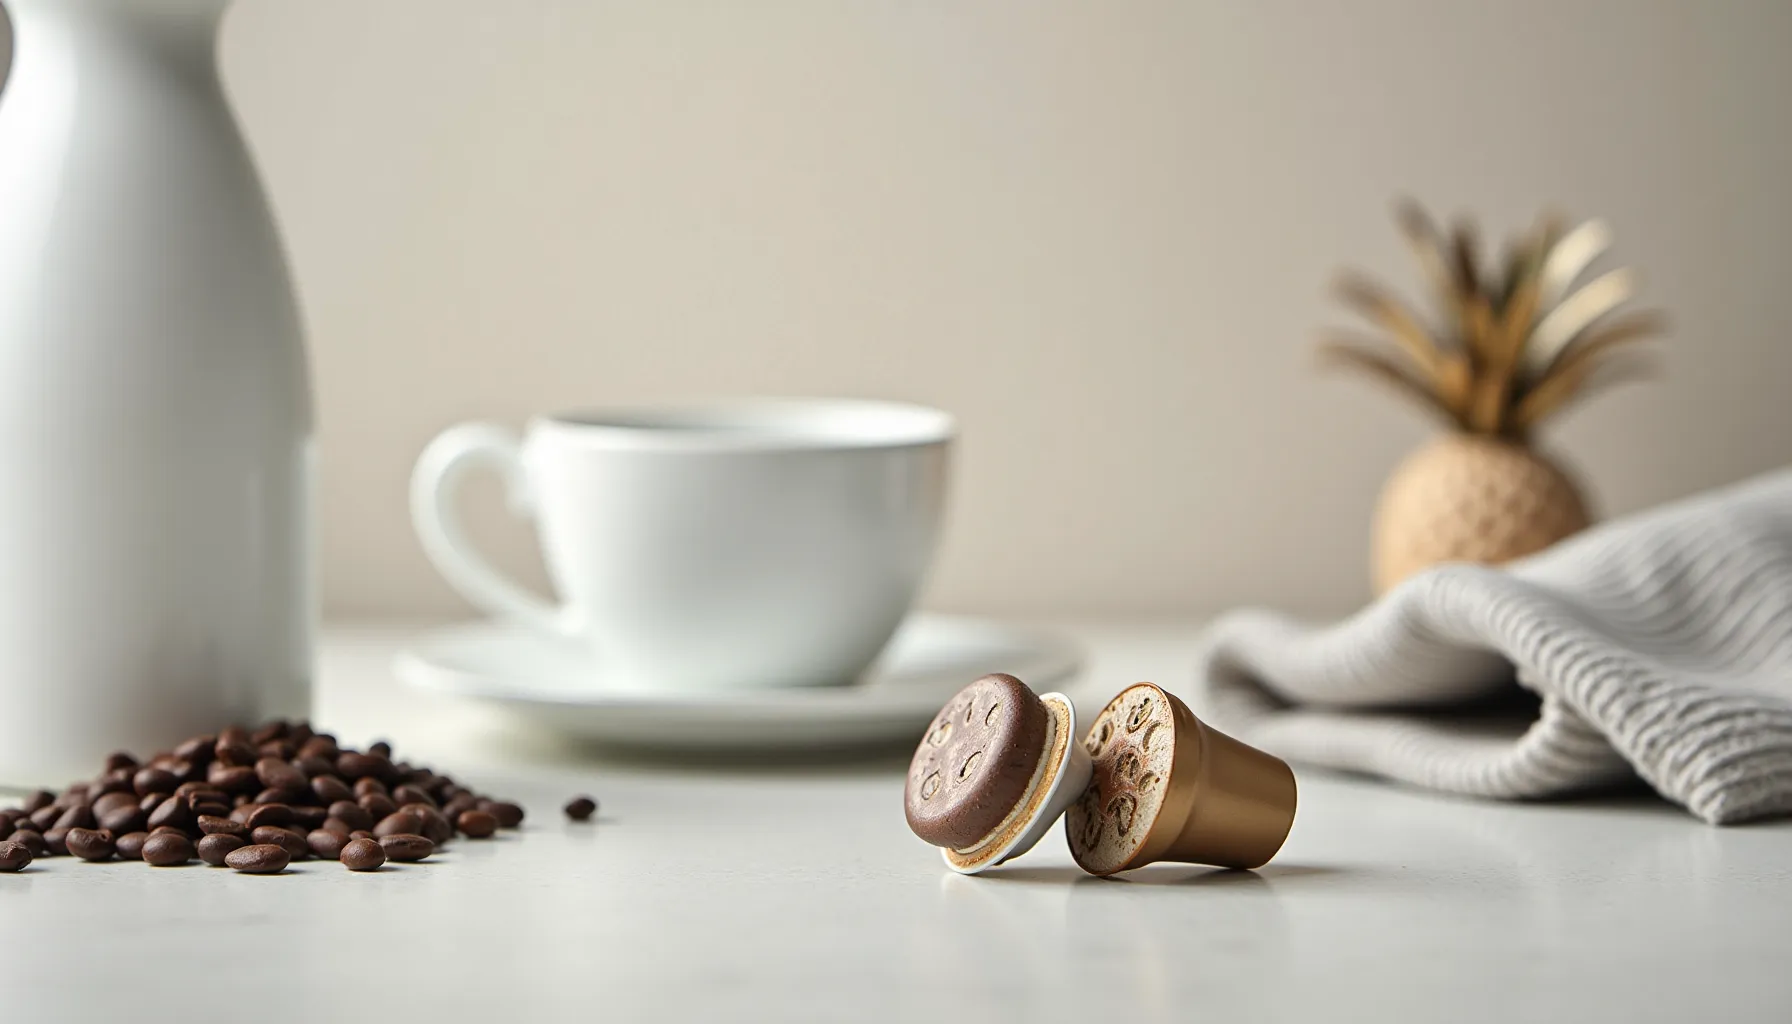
(275, 835)
(326, 845)
(261, 859)
(45, 817)
(399, 823)
(111, 782)
(280, 796)
(31, 840)
(406, 847)
(351, 814)
(120, 759)
(234, 754)
(313, 767)
(214, 848)
(170, 813)
(336, 825)
(213, 825)
(188, 790)
(78, 816)
(168, 830)
(476, 824)
(300, 731)
(380, 748)
(130, 845)
(149, 803)
(581, 808)
(369, 785)
(361, 834)
(329, 789)
(74, 794)
(89, 845)
(198, 750)
(8, 822)
(124, 819)
(362, 855)
(277, 774)
(234, 779)
(454, 807)
(183, 771)
(410, 794)
(279, 750)
(308, 818)
(436, 828)
(109, 802)
(166, 851)
(211, 810)
(361, 766)
(269, 732)
(269, 814)
(321, 747)
(509, 815)
(233, 734)
(15, 856)
(38, 801)
(54, 841)
(378, 805)
(154, 780)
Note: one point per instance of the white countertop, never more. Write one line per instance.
(792, 893)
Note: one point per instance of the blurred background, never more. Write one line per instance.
(1100, 234)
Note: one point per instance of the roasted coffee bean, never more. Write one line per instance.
(167, 830)
(110, 802)
(280, 796)
(120, 759)
(124, 819)
(509, 815)
(274, 835)
(234, 754)
(31, 840)
(277, 774)
(78, 816)
(268, 814)
(279, 750)
(15, 856)
(399, 823)
(435, 828)
(328, 789)
(363, 766)
(170, 813)
(130, 845)
(89, 844)
(581, 808)
(361, 834)
(308, 818)
(233, 779)
(326, 845)
(198, 750)
(215, 810)
(323, 747)
(214, 848)
(380, 748)
(362, 855)
(54, 841)
(154, 780)
(240, 813)
(187, 790)
(44, 817)
(377, 804)
(312, 767)
(109, 783)
(75, 794)
(476, 824)
(184, 771)
(261, 859)
(370, 785)
(336, 825)
(233, 734)
(213, 825)
(453, 809)
(8, 822)
(166, 851)
(404, 846)
(351, 814)
(269, 731)
(38, 801)
(149, 803)
(410, 794)
(300, 731)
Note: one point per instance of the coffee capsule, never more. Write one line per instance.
(996, 768)
(1169, 787)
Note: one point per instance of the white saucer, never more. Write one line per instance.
(553, 683)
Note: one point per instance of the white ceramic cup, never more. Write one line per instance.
(752, 543)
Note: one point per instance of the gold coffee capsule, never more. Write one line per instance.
(1166, 786)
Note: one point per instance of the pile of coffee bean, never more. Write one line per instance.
(254, 800)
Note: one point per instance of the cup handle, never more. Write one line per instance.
(434, 485)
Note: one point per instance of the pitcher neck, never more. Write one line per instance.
(169, 21)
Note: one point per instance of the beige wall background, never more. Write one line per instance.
(1099, 233)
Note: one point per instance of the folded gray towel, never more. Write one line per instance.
(1660, 645)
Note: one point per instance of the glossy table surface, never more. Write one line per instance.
(795, 892)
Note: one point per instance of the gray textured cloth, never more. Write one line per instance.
(1660, 646)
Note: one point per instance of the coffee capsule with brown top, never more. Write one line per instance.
(1169, 787)
(997, 766)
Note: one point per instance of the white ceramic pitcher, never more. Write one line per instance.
(155, 419)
